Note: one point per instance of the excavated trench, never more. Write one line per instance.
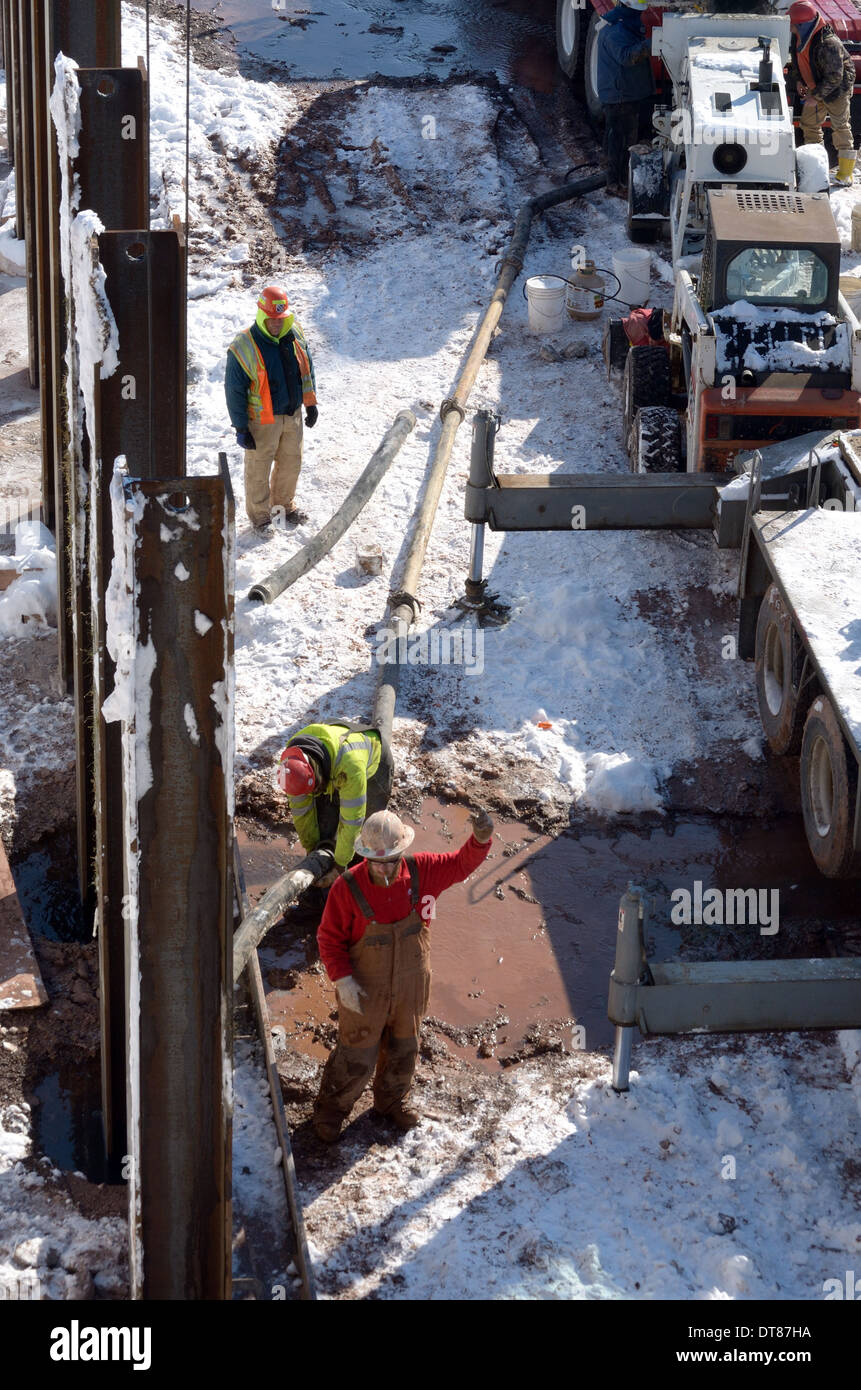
(522, 953)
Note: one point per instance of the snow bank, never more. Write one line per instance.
(620, 783)
(30, 601)
(13, 253)
(811, 162)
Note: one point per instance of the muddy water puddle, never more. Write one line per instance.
(345, 38)
(530, 939)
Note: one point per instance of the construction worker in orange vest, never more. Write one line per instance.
(269, 377)
(823, 75)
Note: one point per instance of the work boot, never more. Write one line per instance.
(327, 1128)
(845, 168)
(289, 517)
(403, 1115)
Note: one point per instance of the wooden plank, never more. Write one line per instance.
(21, 984)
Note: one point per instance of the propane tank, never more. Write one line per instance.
(584, 296)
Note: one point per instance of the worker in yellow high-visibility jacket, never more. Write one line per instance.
(334, 776)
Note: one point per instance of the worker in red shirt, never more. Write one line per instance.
(375, 944)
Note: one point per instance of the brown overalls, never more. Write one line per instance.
(392, 965)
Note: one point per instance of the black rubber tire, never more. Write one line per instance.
(645, 381)
(593, 102)
(829, 780)
(571, 20)
(655, 441)
(779, 659)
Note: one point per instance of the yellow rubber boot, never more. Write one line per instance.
(845, 168)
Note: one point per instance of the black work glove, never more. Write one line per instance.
(311, 416)
(245, 439)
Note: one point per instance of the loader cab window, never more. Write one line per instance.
(787, 275)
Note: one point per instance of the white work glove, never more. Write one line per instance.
(350, 994)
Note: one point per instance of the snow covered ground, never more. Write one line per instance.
(553, 1186)
(710, 1179)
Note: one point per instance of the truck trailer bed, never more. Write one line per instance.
(814, 557)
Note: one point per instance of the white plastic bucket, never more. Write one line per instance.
(634, 270)
(545, 296)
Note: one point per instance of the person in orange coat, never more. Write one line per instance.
(374, 941)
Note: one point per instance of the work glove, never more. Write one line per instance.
(245, 439)
(482, 826)
(311, 416)
(328, 879)
(350, 994)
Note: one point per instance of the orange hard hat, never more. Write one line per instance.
(802, 12)
(295, 775)
(274, 302)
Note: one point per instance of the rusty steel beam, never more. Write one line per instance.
(44, 303)
(112, 169)
(178, 787)
(26, 173)
(104, 755)
(143, 403)
(91, 35)
(113, 161)
(13, 78)
(8, 67)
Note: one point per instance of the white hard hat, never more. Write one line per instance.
(384, 836)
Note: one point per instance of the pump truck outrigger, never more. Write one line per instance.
(760, 346)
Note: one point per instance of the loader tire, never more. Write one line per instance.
(829, 781)
(779, 656)
(646, 381)
(655, 442)
(572, 24)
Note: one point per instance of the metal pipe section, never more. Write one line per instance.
(452, 412)
(271, 907)
(362, 490)
(628, 970)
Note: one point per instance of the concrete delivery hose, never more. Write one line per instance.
(360, 493)
(403, 603)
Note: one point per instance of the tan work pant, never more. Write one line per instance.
(814, 113)
(280, 444)
(392, 965)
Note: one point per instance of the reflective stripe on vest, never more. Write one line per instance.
(250, 359)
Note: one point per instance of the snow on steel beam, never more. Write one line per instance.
(44, 302)
(170, 633)
(91, 36)
(25, 174)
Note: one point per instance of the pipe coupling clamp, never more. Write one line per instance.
(450, 404)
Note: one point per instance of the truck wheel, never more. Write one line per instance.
(655, 442)
(590, 71)
(646, 381)
(829, 779)
(571, 28)
(779, 663)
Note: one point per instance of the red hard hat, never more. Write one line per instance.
(295, 775)
(802, 12)
(274, 303)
